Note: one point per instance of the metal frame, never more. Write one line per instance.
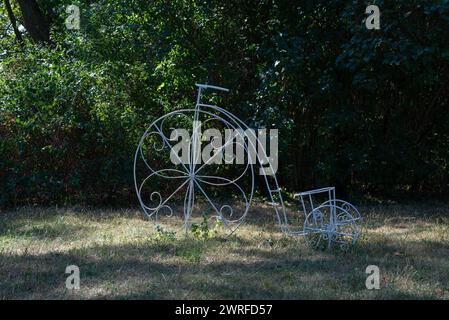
(190, 179)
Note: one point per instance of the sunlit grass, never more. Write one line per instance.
(121, 255)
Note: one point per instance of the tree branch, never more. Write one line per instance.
(13, 20)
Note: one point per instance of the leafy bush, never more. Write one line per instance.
(363, 110)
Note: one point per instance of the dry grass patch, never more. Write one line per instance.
(122, 255)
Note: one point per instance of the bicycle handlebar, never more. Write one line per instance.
(207, 86)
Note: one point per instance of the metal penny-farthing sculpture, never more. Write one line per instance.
(169, 182)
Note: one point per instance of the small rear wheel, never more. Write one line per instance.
(331, 226)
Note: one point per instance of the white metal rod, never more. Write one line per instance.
(208, 86)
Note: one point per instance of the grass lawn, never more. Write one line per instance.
(121, 255)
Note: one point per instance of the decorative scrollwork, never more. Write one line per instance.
(192, 180)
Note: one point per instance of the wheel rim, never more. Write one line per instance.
(193, 184)
(330, 226)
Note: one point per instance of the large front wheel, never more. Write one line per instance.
(168, 183)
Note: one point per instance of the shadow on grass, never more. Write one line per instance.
(235, 268)
(182, 270)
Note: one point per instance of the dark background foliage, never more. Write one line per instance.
(365, 110)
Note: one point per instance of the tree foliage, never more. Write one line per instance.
(366, 110)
